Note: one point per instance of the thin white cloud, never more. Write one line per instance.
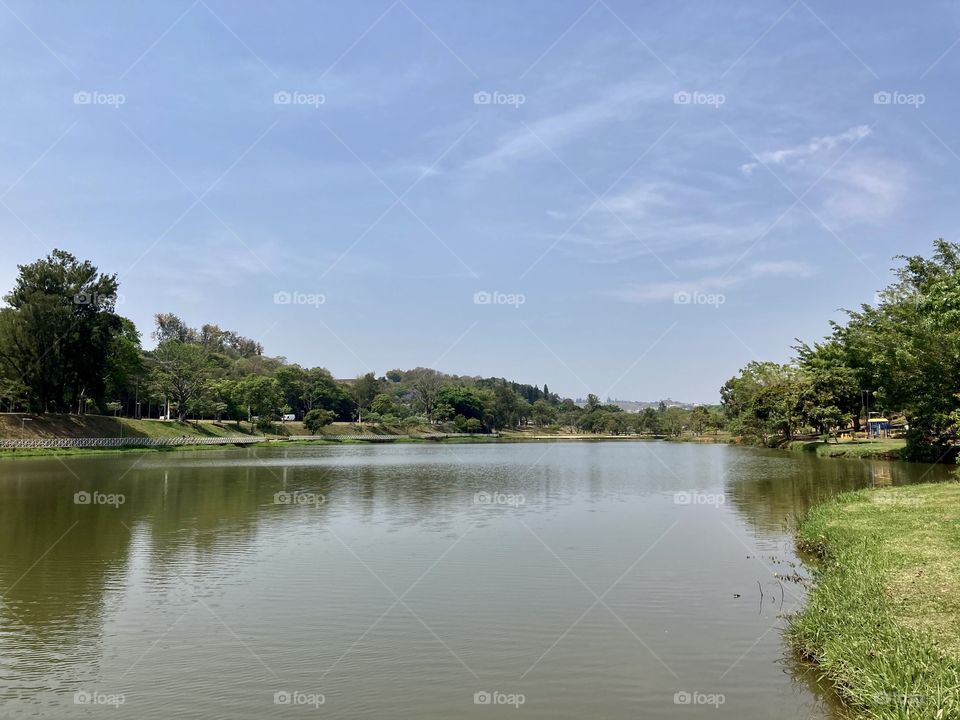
(662, 217)
(798, 154)
(868, 192)
(667, 291)
(560, 128)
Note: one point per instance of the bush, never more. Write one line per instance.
(316, 419)
(473, 426)
(265, 424)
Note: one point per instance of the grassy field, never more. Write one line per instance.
(883, 619)
(74, 426)
(342, 429)
(78, 426)
(888, 449)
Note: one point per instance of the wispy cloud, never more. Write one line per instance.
(866, 191)
(558, 129)
(661, 216)
(667, 291)
(794, 155)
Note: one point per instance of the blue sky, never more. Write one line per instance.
(631, 199)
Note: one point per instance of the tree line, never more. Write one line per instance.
(65, 349)
(899, 356)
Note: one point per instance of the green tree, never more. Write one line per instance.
(364, 389)
(463, 400)
(648, 421)
(544, 413)
(262, 395)
(316, 419)
(57, 332)
(382, 404)
(179, 372)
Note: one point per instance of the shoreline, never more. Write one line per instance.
(886, 450)
(882, 620)
(294, 441)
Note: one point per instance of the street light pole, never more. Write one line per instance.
(22, 421)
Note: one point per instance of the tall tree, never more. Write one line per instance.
(179, 372)
(58, 331)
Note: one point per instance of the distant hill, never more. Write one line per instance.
(634, 406)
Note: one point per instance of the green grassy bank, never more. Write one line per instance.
(882, 621)
(888, 449)
(16, 425)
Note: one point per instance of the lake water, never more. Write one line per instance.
(555, 580)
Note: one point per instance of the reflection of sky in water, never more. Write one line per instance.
(202, 596)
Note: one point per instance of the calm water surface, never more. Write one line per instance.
(564, 580)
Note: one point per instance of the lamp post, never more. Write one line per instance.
(22, 421)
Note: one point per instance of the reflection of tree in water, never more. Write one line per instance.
(180, 515)
(770, 489)
(59, 561)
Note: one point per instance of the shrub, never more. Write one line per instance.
(316, 419)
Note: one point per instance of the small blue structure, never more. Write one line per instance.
(878, 427)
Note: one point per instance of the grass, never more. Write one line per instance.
(77, 426)
(886, 449)
(883, 619)
(6, 454)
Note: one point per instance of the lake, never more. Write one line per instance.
(549, 580)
